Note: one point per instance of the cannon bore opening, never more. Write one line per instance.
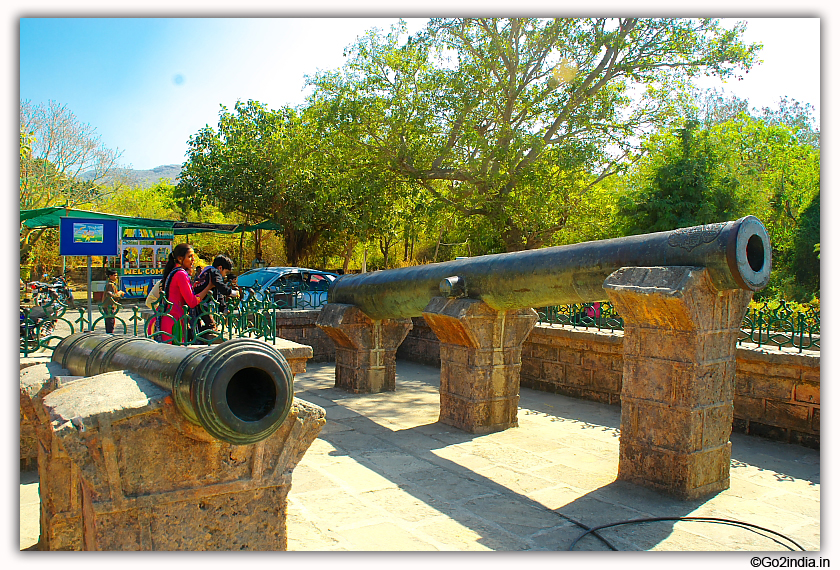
(755, 253)
(251, 394)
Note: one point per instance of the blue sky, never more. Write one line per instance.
(147, 84)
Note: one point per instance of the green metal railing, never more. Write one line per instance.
(41, 328)
(772, 323)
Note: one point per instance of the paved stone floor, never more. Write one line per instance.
(384, 475)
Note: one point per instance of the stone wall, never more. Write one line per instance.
(299, 326)
(777, 393)
(421, 345)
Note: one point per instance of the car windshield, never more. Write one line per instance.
(256, 279)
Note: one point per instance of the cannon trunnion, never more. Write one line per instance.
(240, 391)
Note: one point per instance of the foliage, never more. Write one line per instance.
(55, 149)
(515, 120)
(684, 182)
(282, 166)
(731, 166)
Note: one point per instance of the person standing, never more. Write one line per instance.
(110, 304)
(177, 290)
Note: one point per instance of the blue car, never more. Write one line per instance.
(291, 287)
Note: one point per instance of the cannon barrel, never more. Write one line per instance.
(736, 255)
(240, 391)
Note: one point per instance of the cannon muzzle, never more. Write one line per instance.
(240, 391)
(736, 255)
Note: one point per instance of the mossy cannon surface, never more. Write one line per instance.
(240, 391)
(737, 255)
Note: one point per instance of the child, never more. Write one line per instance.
(110, 302)
(216, 273)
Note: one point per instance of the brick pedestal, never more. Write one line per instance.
(365, 350)
(480, 359)
(679, 374)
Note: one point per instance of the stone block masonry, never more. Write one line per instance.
(299, 326)
(365, 349)
(121, 469)
(775, 390)
(480, 360)
(678, 377)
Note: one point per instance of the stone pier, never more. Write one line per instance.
(365, 349)
(121, 469)
(679, 375)
(480, 354)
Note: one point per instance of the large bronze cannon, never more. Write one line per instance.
(736, 255)
(240, 391)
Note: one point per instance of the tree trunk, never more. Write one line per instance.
(28, 242)
(384, 246)
(349, 246)
(298, 243)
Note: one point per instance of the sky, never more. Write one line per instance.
(147, 84)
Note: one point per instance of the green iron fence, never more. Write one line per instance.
(41, 328)
(771, 323)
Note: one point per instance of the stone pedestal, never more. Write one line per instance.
(141, 477)
(365, 350)
(480, 359)
(121, 469)
(680, 338)
(60, 506)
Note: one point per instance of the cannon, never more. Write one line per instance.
(735, 253)
(240, 391)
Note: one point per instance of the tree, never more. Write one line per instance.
(515, 120)
(732, 167)
(60, 150)
(683, 184)
(55, 150)
(282, 165)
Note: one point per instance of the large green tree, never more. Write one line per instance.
(684, 182)
(514, 120)
(283, 166)
(766, 164)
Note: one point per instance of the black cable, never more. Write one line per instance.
(588, 530)
(697, 519)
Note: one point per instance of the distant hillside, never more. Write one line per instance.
(142, 178)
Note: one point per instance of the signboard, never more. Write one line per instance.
(87, 236)
(146, 234)
(137, 286)
(141, 271)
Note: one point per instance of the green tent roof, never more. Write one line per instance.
(48, 218)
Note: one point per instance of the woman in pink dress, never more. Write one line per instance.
(177, 289)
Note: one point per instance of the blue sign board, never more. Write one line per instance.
(137, 287)
(87, 236)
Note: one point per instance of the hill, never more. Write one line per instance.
(142, 178)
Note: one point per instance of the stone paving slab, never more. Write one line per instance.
(384, 476)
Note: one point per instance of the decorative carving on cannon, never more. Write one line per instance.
(697, 281)
(151, 445)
